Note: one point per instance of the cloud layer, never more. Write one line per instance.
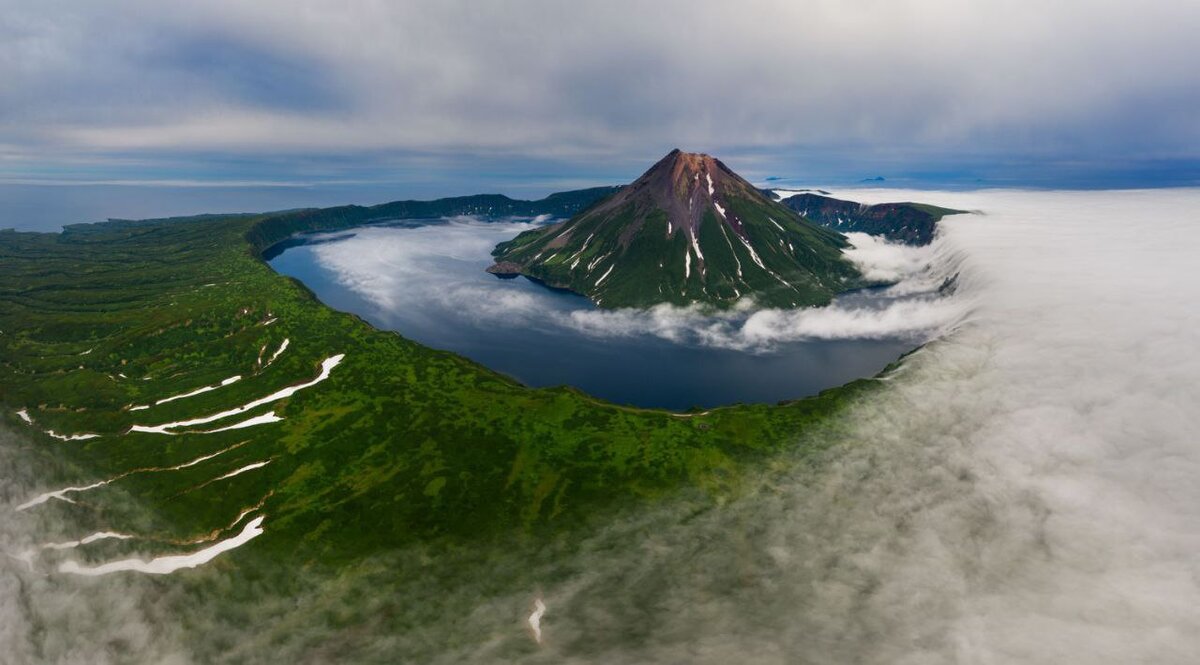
(438, 269)
(1022, 491)
(404, 85)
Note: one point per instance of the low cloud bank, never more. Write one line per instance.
(52, 618)
(438, 269)
(763, 330)
(1025, 491)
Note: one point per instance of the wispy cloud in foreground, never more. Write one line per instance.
(1022, 492)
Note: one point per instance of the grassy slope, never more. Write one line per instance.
(402, 444)
(650, 267)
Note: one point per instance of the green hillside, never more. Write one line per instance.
(687, 231)
(909, 223)
(398, 443)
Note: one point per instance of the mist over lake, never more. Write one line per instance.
(426, 280)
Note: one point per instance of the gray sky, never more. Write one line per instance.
(308, 90)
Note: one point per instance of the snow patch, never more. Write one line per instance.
(758, 261)
(736, 260)
(696, 246)
(72, 437)
(596, 261)
(165, 565)
(199, 391)
(753, 254)
(99, 535)
(606, 272)
(61, 493)
(244, 469)
(268, 417)
(282, 347)
(327, 366)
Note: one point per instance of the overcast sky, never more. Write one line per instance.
(305, 90)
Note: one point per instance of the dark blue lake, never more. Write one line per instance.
(426, 280)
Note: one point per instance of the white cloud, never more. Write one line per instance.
(883, 261)
(599, 79)
(1024, 491)
(763, 329)
(405, 271)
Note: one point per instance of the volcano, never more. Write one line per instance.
(688, 231)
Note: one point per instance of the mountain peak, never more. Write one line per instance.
(686, 185)
(687, 165)
(686, 169)
(687, 230)
(692, 162)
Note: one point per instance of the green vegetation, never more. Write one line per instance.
(687, 231)
(279, 227)
(401, 445)
(909, 223)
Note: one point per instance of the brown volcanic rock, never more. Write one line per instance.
(685, 185)
(505, 269)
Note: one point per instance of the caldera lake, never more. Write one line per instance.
(425, 280)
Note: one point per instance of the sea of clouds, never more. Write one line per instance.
(1023, 490)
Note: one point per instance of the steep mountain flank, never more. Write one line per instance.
(689, 230)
